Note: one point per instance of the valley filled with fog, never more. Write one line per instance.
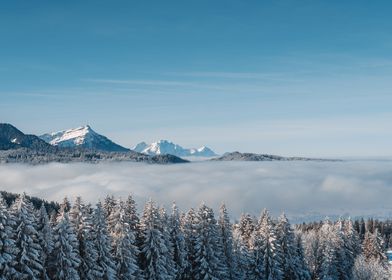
(303, 190)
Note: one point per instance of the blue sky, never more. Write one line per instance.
(308, 78)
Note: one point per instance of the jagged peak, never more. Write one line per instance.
(164, 146)
(81, 136)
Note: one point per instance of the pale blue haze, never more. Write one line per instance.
(306, 78)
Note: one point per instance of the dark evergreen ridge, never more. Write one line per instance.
(237, 156)
(111, 241)
(17, 147)
(12, 138)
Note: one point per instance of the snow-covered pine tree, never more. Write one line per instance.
(165, 224)
(65, 258)
(242, 255)
(65, 206)
(329, 246)
(271, 251)
(293, 264)
(8, 251)
(53, 219)
(178, 241)
(207, 250)
(75, 214)
(246, 228)
(131, 214)
(225, 231)
(352, 241)
(189, 225)
(114, 215)
(249, 263)
(154, 253)
(373, 248)
(124, 249)
(89, 267)
(45, 235)
(369, 270)
(305, 272)
(256, 268)
(344, 253)
(108, 205)
(310, 244)
(28, 260)
(103, 244)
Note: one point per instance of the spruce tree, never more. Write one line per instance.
(272, 252)
(189, 226)
(65, 257)
(45, 235)
(178, 241)
(242, 255)
(89, 268)
(124, 245)
(256, 268)
(154, 249)
(344, 249)
(75, 214)
(312, 253)
(246, 228)
(28, 260)
(103, 245)
(8, 251)
(329, 245)
(131, 214)
(293, 264)
(165, 229)
(225, 230)
(207, 248)
(108, 205)
(373, 248)
(370, 270)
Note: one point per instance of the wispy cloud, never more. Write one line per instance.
(185, 85)
(139, 82)
(283, 77)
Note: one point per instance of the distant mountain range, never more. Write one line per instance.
(84, 137)
(83, 144)
(17, 147)
(164, 147)
(237, 156)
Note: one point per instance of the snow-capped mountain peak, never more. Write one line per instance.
(163, 147)
(71, 137)
(83, 136)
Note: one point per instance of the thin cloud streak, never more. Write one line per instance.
(240, 75)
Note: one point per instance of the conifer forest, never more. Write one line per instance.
(111, 240)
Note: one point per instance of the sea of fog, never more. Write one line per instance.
(303, 190)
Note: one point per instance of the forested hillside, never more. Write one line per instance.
(110, 240)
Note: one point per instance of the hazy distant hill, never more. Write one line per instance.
(237, 156)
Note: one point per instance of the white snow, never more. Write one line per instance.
(73, 137)
(166, 147)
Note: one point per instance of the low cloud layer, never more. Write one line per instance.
(297, 188)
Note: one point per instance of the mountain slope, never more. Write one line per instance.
(13, 138)
(164, 147)
(84, 137)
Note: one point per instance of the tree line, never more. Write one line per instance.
(111, 241)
